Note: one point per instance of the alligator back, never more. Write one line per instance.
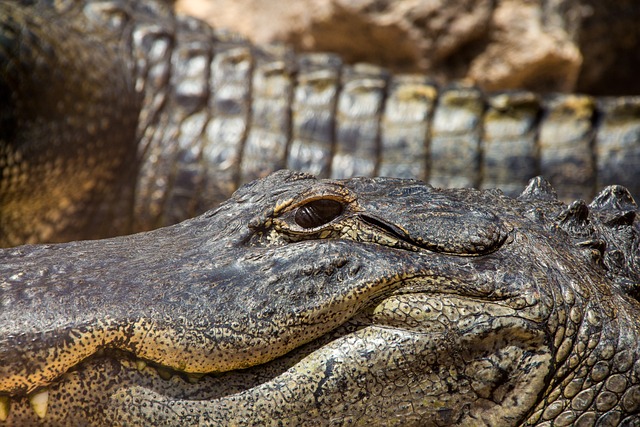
(125, 117)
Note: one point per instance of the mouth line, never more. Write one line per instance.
(412, 287)
(149, 370)
(153, 371)
(120, 371)
(122, 374)
(153, 368)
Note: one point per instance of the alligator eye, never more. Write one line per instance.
(317, 213)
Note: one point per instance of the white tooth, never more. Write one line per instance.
(5, 405)
(39, 402)
(141, 364)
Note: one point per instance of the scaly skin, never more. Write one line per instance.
(363, 301)
(123, 117)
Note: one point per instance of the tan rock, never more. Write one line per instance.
(524, 52)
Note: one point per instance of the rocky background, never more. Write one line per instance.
(590, 46)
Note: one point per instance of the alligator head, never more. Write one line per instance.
(304, 301)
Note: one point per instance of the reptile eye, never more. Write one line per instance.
(317, 213)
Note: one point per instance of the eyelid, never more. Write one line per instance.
(331, 191)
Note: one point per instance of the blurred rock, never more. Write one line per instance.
(544, 45)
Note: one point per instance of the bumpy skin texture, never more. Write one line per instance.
(367, 301)
(123, 117)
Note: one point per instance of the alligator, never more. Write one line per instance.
(119, 116)
(301, 301)
(366, 301)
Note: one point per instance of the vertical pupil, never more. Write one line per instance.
(317, 213)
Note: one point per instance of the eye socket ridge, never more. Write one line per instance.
(316, 213)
